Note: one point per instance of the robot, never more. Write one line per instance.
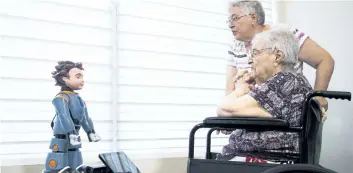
(71, 115)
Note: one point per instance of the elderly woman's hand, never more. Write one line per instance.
(323, 102)
(324, 105)
(243, 81)
(240, 74)
(324, 115)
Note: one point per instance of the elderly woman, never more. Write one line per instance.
(279, 93)
(247, 18)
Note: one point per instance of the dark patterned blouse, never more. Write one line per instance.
(282, 96)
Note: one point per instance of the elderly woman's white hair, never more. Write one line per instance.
(283, 39)
(250, 7)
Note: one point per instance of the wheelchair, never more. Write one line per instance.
(310, 134)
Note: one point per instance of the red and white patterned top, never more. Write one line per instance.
(238, 54)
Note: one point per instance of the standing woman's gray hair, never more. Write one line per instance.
(250, 7)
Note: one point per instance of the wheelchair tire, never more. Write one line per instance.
(299, 168)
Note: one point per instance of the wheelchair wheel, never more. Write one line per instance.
(299, 168)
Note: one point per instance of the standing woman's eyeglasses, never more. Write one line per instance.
(234, 18)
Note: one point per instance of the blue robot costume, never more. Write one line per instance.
(71, 115)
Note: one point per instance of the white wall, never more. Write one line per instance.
(329, 24)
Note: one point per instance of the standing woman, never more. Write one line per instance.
(247, 18)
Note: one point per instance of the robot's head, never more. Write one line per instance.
(69, 74)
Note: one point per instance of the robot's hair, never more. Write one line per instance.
(62, 70)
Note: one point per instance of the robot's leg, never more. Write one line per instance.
(75, 160)
(57, 161)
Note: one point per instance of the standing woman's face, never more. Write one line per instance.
(241, 24)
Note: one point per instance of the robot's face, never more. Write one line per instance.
(75, 80)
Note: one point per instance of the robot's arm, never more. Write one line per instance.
(63, 118)
(87, 125)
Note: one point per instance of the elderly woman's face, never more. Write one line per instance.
(240, 24)
(262, 61)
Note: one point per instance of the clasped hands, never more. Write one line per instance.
(243, 83)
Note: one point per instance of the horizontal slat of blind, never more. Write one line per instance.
(152, 43)
(60, 13)
(131, 24)
(37, 49)
(53, 31)
(171, 61)
(171, 13)
(209, 6)
(166, 78)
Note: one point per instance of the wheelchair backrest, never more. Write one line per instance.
(314, 132)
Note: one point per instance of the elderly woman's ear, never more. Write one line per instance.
(279, 56)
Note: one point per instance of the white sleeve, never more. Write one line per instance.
(300, 35)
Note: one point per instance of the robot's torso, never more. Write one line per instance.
(71, 114)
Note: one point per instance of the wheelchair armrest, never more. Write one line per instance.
(246, 122)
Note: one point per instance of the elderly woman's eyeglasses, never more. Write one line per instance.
(234, 18)
(256, 52)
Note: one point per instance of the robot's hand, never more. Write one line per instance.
(94, 137)
(75, 139)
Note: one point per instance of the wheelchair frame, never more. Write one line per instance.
(253, 123)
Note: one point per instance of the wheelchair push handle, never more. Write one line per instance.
(333, 94)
